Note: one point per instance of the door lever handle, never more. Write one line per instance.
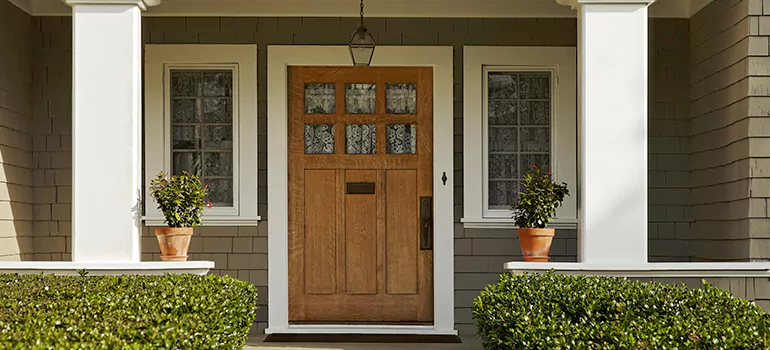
(426, 223)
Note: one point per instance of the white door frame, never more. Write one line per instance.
(279, 58)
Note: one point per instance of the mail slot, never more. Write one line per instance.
(360, 188)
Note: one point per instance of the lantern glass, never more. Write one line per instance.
(362, 47)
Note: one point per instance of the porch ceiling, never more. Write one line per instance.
(374, 8)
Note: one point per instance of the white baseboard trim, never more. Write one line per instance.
(360, 329)
(682, 270)
(70, 268)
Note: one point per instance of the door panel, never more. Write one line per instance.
(360, 159)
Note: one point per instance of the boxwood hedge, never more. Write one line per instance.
(551, 311)
(125, 312)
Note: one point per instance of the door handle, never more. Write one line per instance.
(426, 223)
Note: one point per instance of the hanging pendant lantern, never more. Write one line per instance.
(362, 44)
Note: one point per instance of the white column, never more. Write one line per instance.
(613, 75)
(106, 130)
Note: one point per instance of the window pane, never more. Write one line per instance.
(535, 86)
(401, 138)
(185, 137)
(202, 119)
(319, 98)
(319, 138)
(183, 111)
(361, 98)
(535, 139)
(503, 194)
(218, 84)
(220, 192)
(401, 98)
(518, 131)
(502, 139)
(361, 138)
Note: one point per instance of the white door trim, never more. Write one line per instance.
(278, 59)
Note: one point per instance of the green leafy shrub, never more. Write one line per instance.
(180, 198)
(552, 311)
(538, 200)
(125, 312)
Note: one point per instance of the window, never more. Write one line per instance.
(200, 117)
(520, 110)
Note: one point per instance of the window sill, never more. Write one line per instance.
(216, 221)
(503, 223)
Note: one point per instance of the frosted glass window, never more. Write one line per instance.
(401, 138)
(361, 138)
(319, 98)
(361, 98)
(202, 129)
(518, 131)
(401, 98)
(319, 138)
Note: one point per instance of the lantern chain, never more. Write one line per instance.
(362, 12)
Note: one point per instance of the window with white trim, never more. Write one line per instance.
(200, 118)
(520, 110)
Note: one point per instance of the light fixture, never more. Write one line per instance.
(362, 44)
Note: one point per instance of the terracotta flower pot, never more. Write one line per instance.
(173, 242)
(535, 243)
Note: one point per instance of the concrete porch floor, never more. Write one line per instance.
(255, 343)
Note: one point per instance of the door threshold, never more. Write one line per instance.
(360, 338)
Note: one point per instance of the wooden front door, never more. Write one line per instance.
(360, 189)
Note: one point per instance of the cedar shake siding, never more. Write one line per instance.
(16, 163)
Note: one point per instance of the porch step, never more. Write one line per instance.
(361, 338)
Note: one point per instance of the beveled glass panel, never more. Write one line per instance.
(503, 166)
(220, 192)
(503, 194)
(361, 98)
(218, 110)
(218, 138)
(401, 138)
(535, 86)
(185, 83)
(319, 98)
(183, 111)
(502, 85)
(503, 139)
(185, 137)
(319, 138)
(218, 163)
(535, 112)
(401, 98)
(542, 161)
(502, 112)
(361, 138)
(186, 161)
(218, 83)
(535, 139)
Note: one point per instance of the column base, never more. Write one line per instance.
(64, 268)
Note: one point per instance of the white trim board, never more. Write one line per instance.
(677, 270)
(374, 8)
(70, 268)
(278, 59)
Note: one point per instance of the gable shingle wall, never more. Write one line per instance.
(242, 251)
(16, 192)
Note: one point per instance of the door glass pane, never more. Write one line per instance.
(319, 138)
(401, 99)
(401, 138)
(518, 131)
(202, 129)
(361, 138)
(319, 98)
(361, 98)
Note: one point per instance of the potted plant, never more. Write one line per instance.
(536, 207)
(181, 200)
